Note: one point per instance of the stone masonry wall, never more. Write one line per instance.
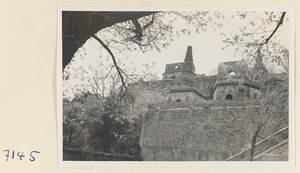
(199, 133)
(238, 92)
(183, 97)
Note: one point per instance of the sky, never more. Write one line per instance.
(207, 53)
(207, 49)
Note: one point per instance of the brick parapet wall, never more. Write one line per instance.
(212, 104)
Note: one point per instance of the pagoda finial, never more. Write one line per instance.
(189, 55)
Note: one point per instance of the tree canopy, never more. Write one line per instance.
(78, 26)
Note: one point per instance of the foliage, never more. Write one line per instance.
(263, 44)
(77, 115)
(264, 34)
(273, 112)
(158, 30)
(147, 95)
(90, 125)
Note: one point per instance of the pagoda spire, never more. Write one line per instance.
(189, 55)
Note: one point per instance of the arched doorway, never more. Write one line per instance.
(228, 97)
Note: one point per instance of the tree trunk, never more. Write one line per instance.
(253, 145)
(70, 135)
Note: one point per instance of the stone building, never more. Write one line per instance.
(230, 83)
(197, 117)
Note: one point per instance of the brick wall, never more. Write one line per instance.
(204, 133)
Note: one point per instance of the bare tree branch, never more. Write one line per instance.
(139, 29)
(108, 72)
(278, 24)
(265, 41)
(269, 19)
(113, 58)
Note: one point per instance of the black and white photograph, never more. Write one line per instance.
(179, 85)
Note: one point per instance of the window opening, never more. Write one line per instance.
(169, 100)
(228, 97)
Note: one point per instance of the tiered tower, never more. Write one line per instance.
(181, 70)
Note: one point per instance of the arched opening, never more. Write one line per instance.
(241, 90)
(191, 107)
(178, 100)
(231, 73)
(228, 97)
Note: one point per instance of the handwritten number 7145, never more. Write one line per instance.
(21, 155)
